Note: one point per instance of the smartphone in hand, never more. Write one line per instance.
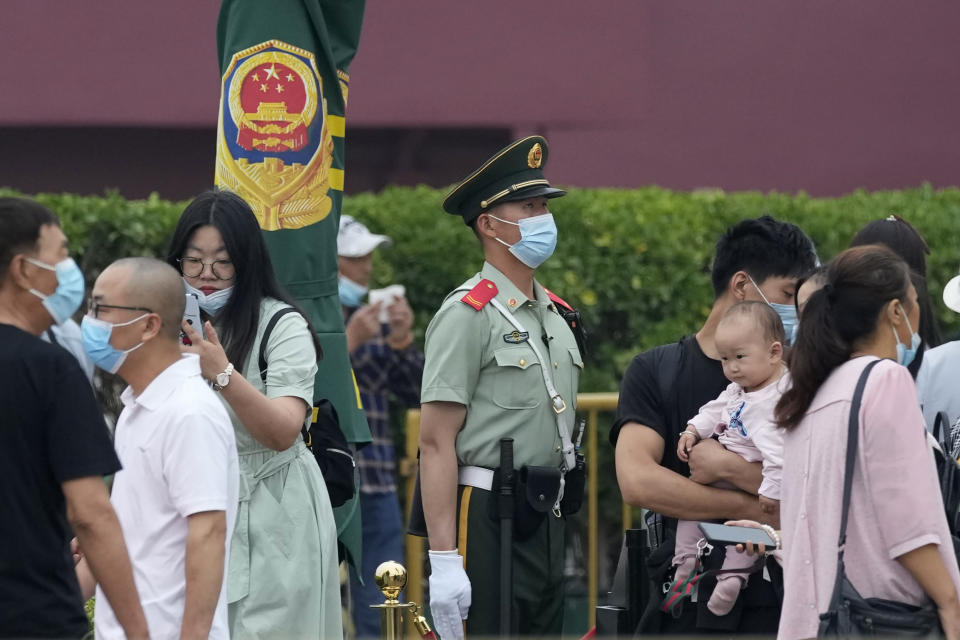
(191, 314)
(723, 534)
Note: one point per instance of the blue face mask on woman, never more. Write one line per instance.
(212, 303)
(787, 313)
(95, 334)
(905, 355)
(538, 239)
(62, 303)
(351, 293)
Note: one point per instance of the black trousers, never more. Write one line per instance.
(537, 570)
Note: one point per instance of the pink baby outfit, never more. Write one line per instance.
(895, 502)
(745, 425)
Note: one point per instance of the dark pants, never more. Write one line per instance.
(537, 570)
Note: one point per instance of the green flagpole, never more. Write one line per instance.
(280, 145)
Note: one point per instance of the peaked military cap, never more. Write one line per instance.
(513, 173)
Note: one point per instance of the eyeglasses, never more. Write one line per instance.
(95, 307)
(193, 267)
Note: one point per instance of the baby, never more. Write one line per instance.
(750, 340)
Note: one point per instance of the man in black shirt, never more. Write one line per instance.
(54, 445)
(664, 387)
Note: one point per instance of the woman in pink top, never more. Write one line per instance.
(898, 545)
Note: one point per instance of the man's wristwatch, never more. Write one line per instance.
(223, 378)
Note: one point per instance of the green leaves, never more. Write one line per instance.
(101, 229)
(635, 262)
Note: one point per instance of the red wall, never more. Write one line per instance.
(821, 95)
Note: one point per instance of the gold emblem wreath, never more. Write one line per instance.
(535, 156)
(282, 196)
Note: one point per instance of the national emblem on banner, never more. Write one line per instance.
(274, 140)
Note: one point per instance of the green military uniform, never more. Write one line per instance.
(474, 359)
(477, 357)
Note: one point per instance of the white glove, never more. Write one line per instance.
(450, 593)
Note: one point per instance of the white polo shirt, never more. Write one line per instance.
(179, 457)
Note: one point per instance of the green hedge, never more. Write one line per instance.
(636, 262)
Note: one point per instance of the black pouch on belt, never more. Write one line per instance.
(536, 493)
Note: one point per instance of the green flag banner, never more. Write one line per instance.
(280, 145)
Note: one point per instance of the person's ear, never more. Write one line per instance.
(153, 327)
(776, 350)
(894, 311)
(484, 226)
(738, 285)
(17, 272)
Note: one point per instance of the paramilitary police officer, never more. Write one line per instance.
(501, 361)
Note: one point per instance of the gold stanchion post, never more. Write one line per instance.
(391, 577)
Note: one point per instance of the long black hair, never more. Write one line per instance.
(255, 279)
(858, 283)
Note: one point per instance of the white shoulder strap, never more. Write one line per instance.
(563, 417)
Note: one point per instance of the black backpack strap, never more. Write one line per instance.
(262, 357)
(669, 361)
(941, 431)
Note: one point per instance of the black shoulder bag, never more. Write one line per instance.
(850, 614)
(948, 472)
(324, 438)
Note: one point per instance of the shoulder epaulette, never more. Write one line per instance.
(480, 295)
(557, 299)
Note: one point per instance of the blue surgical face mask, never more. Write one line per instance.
(538, 239)
(351, 293)
(788, 316)
(212, 303)
(62, 303)
(95, 335)
(906, 355)
(787, 313)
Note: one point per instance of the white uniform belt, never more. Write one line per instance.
(479, 477)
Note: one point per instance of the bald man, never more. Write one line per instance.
(176, 496)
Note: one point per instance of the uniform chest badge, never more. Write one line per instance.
(516, 337)
(274, 138)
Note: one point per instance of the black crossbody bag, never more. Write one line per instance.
(850, 614)
(323, 438)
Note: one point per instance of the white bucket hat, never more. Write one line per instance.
(354, 240)
(951, 294)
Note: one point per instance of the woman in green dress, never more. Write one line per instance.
(282, 578)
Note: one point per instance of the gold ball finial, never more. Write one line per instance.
(391, 578)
